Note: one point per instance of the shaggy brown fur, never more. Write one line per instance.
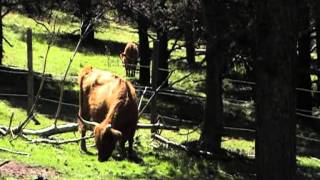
(111, 101)
(129, 58)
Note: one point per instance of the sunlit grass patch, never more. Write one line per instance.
(15, 30)
(310, 162)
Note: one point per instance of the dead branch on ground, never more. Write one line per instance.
(65, 128)
(55, 141)
(182, 147)
(14, 152)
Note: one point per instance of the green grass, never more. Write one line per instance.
(15, 31)
(15, 28)
(159, 162)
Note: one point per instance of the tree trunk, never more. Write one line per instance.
(1, 34)
(190, 50)
(144, 51)
(211, 131)
(163, 58)
(304, 99)
(317, 21)
(86, 16)
(275, 90)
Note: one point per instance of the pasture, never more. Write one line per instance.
(157, 160)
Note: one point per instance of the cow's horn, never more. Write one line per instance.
(89, 123)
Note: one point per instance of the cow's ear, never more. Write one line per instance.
(116, 134)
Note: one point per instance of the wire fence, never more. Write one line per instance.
(167, 92)
(179, 94)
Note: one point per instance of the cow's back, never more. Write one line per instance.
(131, 52)
(103, 90)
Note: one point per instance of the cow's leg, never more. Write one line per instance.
(130, 149)
(83, 113)
(122, 148)
(131, 132)
(121, 154)
(82, 130)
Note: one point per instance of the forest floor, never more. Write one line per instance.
(23, 171)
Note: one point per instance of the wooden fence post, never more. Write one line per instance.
(30, 70)
(155, 72)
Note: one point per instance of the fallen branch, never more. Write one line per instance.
(181, 146)
(157, 126)
(52, 130)
(49, 131)
(72, 127)
(14, 152)
(4, 162)
(56, 141)
(3, 132)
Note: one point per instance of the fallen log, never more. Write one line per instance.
(52, 130)
(56, 141)
(182, 147)
(48, 131)
(157, 126)
(3, 132)
(72, 127)
(14, 152)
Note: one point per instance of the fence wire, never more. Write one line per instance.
(180, 94)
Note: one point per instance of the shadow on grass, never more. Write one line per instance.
(69, 41)
(187, 166)
(227, 165)
(12, 83)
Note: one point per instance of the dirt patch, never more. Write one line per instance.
(19, 170)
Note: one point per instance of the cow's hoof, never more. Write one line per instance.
(118, 157)
(134, 158)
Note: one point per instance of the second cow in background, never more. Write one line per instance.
(129, 58)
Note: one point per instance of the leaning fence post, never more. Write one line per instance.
(30, 70)
(154, 82)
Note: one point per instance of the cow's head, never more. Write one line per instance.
(106, 138)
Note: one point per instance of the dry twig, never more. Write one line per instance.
(14, 152)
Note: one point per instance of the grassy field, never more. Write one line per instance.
(158, 161)
(104, 54)
(16, 26)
